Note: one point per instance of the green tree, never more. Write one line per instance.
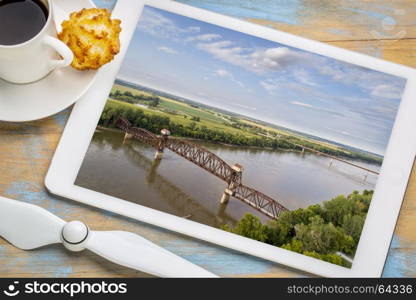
(311, 231)
(331, 258)
(154, 102)
(323, 238)
(353, 225)
(117, 94)
(192, 126)
(294, 245)
(251, 227)
(337, 208)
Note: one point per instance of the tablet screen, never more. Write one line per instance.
(244, 134)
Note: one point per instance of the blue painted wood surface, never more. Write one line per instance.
(26, 149)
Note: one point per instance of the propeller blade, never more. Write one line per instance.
(27, 226)
(132, 251)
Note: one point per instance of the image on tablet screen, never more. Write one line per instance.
(247, 135)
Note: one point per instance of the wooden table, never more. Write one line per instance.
(26, 151)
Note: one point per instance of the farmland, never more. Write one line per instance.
(155, 110)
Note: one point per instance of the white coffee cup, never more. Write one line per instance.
(34, 59)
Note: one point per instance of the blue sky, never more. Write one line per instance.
(263, 80)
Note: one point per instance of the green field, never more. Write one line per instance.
(154, 111)
(181, 108)
(177, 111)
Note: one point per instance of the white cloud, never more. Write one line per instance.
(155, 24)
(346, 133)
(309, 106)
(225, 51)
(208, 37)
(193, 29)
(379, 84)
(301, 104)
(225, 74)
(244, 106)
(268, 86)
(167, 50)
(302, 70)
(304, 77)
(387, 91)
(222, 73)
(259, 61)
(274, 59)
(284, 83)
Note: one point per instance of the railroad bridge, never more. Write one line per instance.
(208, 161)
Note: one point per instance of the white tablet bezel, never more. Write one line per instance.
(391, 186)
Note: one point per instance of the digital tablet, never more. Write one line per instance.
(245, 137)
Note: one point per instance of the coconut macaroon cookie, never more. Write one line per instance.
(92, 36)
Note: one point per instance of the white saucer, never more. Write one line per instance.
(55, 92)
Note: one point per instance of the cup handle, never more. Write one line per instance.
(62, 49)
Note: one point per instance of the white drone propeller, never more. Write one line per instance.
(29, 227)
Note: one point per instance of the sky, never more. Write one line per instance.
(264, 80)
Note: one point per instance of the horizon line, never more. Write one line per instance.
(128, 80)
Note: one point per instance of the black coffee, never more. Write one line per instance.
(21, 20)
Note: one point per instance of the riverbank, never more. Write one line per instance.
(205, 141)
(321, 231)
(195, 140)
(202, 123)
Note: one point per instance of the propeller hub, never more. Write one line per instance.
(75, 235)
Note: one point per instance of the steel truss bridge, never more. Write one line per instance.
(210, 162)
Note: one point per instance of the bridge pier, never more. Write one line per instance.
(235, 180)
(162, 143)
(127, 136)
(221, 215)
(225, 198)
(152, 171)
(158, 155)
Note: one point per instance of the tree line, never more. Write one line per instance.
(131, 98)
(318, 231)
(295, 140)
(155, 123)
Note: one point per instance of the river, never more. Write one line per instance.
(179, 187)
